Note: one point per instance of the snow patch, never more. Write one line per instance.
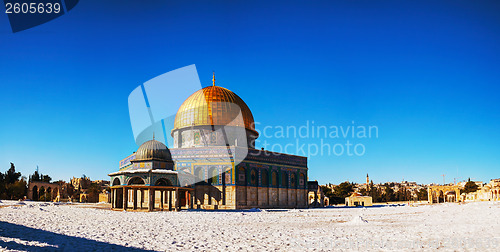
(357, 220)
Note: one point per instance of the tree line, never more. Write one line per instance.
(12, 185)
(385, 193)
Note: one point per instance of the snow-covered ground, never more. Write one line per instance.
(48, 226)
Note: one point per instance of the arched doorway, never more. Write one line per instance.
(55, 193)
(116, 182)
(450, 196)
(440, 197)
(42, 194)
(34, 195)
(49, 194)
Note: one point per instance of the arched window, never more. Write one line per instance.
(302, 180)
(274, 178)
(116, 181)
(264, 178)
(41, 193)
(241, 176)
(163, 182)
(136, 181)
(253, 177)
(293, 180)
(284, 179)
(213, 176)
(198, 173)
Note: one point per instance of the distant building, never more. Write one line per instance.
(356, 199)
(80, 183)
(487, 192)
(315, 195)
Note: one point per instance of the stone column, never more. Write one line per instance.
(134, 199)
(191, 196)
(150, 200)
(161, 200)
(429, 196)
(177, 202)
(125, 198)
(112, 198)
(170, 200)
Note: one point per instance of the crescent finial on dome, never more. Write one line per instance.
(213, 79)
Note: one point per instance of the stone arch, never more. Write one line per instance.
(163, 182)
(116, 182)
(34, 194)
(440, 195)
(41, 193)
(56, 193)
(450, 196)
(49, 194)
(136, 181)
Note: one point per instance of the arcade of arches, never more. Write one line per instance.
(441, 194)
(44, 191)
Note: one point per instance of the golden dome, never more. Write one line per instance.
(213, 105)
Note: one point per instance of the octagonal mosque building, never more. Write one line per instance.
(213, 163)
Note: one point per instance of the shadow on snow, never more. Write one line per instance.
(25, 238)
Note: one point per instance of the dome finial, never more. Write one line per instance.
(213, 79)
(153, 135)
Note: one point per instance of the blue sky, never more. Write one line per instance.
(424, 72)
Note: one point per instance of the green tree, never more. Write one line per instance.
(45, 178)
(388, 195)
(3, 190)
(422, 194)
(35, 177)
(469, 187)
(17, 190)
(11, 175)
(93, 191)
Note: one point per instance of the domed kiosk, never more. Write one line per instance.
(214, 152)
(150, 182)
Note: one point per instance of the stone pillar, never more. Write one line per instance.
(429, 196)
(142, 197)
(177, 202)
(191, 196)
(170, 200)
(161, 200)
(112, 198)
(134, 199)
(150, 200)
(125, 198)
